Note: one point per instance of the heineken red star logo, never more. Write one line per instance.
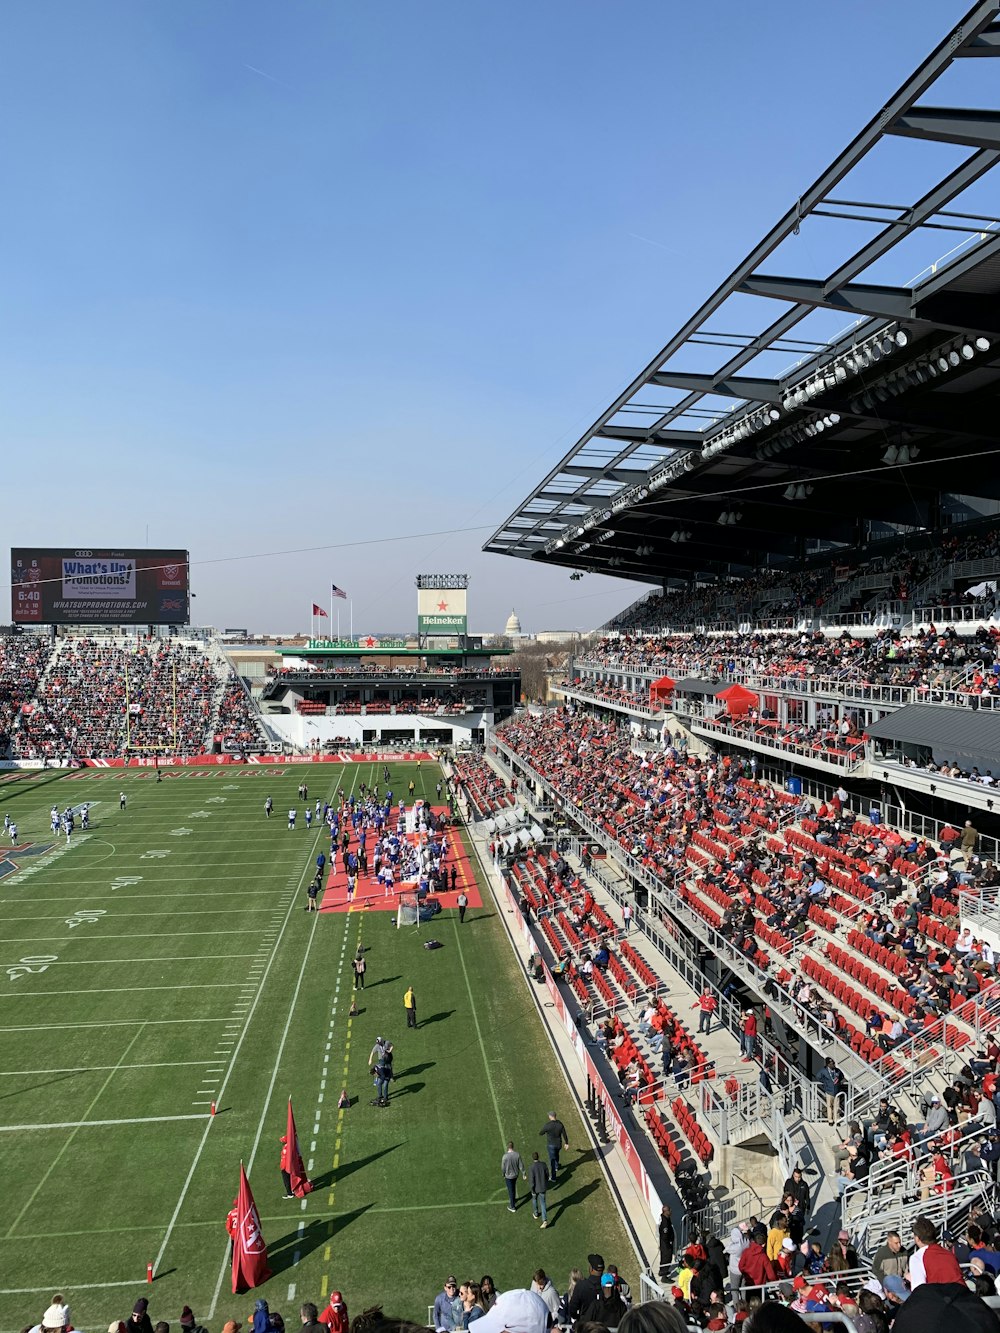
(442, 605)
(370, 642)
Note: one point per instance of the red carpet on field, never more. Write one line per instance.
(370, 894)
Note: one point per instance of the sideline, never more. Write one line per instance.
(607, 1155)
(475, 1018)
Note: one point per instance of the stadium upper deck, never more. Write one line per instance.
(719, 459)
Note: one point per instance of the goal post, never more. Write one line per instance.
(408, 911)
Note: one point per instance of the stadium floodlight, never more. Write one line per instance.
(798, 490)
(982, 344)
(899, 454)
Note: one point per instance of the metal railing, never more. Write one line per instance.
(807, 753)
(894, 1176)
(618, 705)
(946, 1210)
(956, 613)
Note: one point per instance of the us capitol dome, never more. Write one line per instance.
(513, 627)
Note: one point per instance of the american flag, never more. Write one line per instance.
(337, 592)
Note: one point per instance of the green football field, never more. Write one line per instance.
(165, 962)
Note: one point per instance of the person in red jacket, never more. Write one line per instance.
(931, 1262)
(335, 1315)
(706, 1005)
(754, 1264)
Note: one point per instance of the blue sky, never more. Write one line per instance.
(293, 274)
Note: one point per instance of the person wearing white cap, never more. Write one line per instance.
(936, 1121)
(516, 1311)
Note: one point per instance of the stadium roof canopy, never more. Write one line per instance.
(956, 730)
(798, 405)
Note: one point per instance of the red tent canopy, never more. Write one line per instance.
(738, 700)
(661, 688)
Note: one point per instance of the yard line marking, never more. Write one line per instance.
(126, 898)
(155, 935)
(160, 958)
(77, 1286)
(138, 896)
(88, 1124)
(108, 1023)
(121, 990)
(75, 1129)
(94, 1069)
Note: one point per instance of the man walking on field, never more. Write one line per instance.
(410, 1005)
(555, 1139)
(511, 1167)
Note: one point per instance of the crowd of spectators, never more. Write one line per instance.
(767, 1272)
(23, 659)
(102, 698)
(831, 880)
(934, 663)
(239, 720)
(769, 592)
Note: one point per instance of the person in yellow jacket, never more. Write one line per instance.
(776, 1234)
(684, 1277)
(410, 1005)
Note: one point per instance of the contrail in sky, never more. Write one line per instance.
(263, 74)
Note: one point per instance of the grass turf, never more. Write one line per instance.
(194, 974)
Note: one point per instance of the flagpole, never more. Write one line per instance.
(338, 621)
(352, 619)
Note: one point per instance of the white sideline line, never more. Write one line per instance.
(87, 1124)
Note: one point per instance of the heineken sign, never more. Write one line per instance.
(355, 645)
(441, 610)
(442, 624)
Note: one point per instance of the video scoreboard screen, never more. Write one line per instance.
(52, 586)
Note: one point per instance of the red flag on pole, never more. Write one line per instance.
(249, 1248)
(318, 611)
(291, 1158)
